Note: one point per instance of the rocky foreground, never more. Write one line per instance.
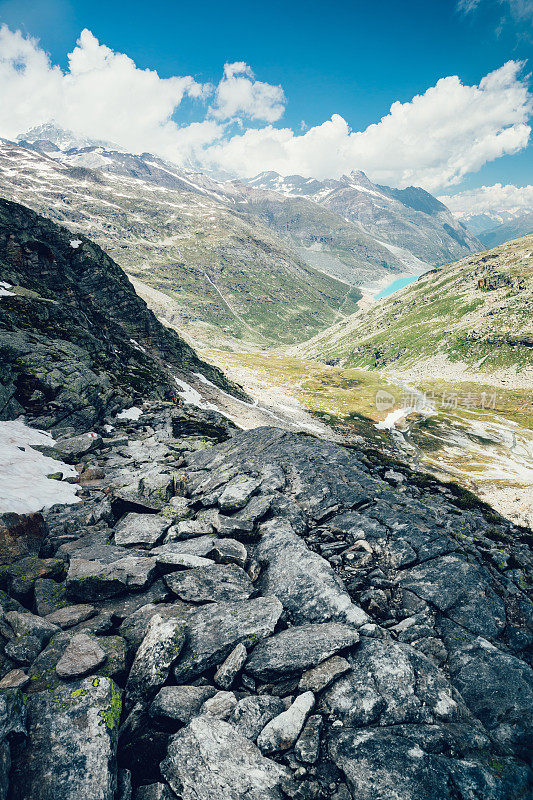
(257, 616)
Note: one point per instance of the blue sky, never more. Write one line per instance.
(351, 59)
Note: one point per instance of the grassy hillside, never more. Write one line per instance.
(474, 313)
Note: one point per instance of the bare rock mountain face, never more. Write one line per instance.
(76, 342)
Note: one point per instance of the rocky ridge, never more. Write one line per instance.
(76, 342)
(261, 615)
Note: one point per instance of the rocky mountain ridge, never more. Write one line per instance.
(260, 615)
(76, 342)
(410, 219)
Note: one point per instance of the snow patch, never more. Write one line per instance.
(193, 397)
(4, 289)
(75, 243)
(130, 413)
(23, 470)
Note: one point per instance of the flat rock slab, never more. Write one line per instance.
(94, 580)
(82, 656)
(251, 714)
(180, 703)
(73, 448)
(210, 759)
(197, 546)
(70, 752)
(296, 649)
(212, 584)
(229, 551)
(237, 492)
(214, 631)
(301, 579)
(321, 676)
(140, 530)
(68, 616)
(158, 650)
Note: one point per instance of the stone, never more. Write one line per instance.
(158, 651)
(229, 551)
(135, 626)
(460, 590)
(233, 527)
(153, 791)
(72, 448)
(189, 529)
(282, 731)
(16, 679)
(172, 562)
(12, 730)
(307, 748)
(50, 596)
(321, 676)
(28, 624)
(214, 631)
(140, 530)
(237, 492)
(390, 683)
(230, 668)
(197, 546)
(23, 650)
(68, 616)
(94, 580)
(216, 583)
(20, 535)
(298, 648)
(180, 703)
(82, 656)
(220, 705)
(71, 747)
(23, 574)
(124, 790)
(210, 759)
(301, 579)
(251, 714)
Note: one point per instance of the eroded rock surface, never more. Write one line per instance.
(298, 624)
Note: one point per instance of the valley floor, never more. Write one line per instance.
(477, 434)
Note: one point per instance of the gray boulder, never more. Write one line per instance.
(215, 583)
(159, 649)
(282, 731)
(296, 649)
(213, 632)
(301, 579)
(180, 703)
(237, 492)
(251, 714)
(71, 747)
(82, 656)
(210, 759)
(140, 530)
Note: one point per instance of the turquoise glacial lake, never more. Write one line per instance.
(399, 283)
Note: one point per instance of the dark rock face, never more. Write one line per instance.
(375, 642)
(76, 342)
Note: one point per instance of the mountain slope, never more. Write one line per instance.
(76, 342)
(225, 275)
(493, 228)
(410, 218)
(476, 312)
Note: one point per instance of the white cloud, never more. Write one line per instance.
(490, 199)
(433, 140)
(239, 94)
(520, 10)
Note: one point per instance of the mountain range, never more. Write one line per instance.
(264, 262)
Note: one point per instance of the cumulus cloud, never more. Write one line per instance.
(486, 199)
(239, 95)
(433, 140)
(102, 94)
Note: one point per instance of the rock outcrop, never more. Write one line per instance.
(316, 630)
(76, 341)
